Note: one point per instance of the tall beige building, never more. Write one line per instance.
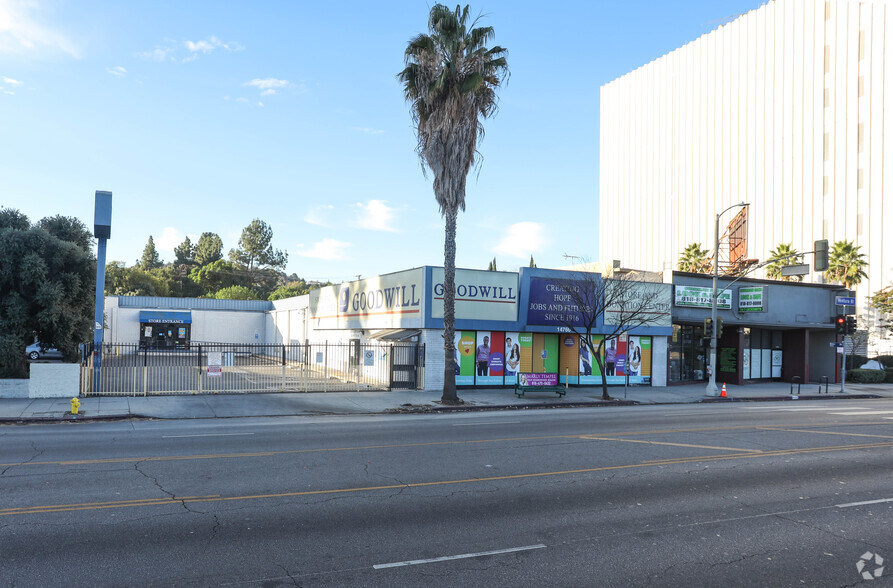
(788, 107)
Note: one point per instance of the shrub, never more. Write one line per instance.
(886, 360)
(866, 376)
(889, 378)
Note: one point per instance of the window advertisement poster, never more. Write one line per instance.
(464, 360)
(480, 295)
(568, 358)
(618, 357)
(587, 364)
(550, 304)
(648, 300)
(489, 358)
(526, 341)
(776, 363)
(389, 301)
(751, 299)
(755, 363)
(698, 297)
(512, 357)
(545, 353)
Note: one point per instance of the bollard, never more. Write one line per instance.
(75, 405)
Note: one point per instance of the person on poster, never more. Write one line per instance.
(635, 357)
(513, 361)
(610, 358)
(585, 358)
(483, 357)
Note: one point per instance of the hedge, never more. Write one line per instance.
(889, 378)
(866, 376)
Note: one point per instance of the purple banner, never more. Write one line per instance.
(550, 304)
(538, 379)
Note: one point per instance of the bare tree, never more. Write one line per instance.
(622, 304)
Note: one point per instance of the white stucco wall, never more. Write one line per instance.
(54, 380)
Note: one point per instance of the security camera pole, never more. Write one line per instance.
(711, 385)
(102, 230)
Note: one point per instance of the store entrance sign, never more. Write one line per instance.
(698, 297)
(751, 299)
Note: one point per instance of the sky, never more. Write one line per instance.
(204, 115)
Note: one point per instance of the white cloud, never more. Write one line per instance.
(268, 86)
(261, 104)
(160, 53)
(327, 250)
(521, 240)
(10, 92)
(241, 99)
(10, 81)
(20, 31)
(369, 130)
(375, 215)
(117, 71)
(208, 45)
(319, 215)
(169, 239)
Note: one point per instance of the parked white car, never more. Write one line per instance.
(41, 351)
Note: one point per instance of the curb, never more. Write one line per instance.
(790, 398)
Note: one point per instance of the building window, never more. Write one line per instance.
(861, 138)
(861, 45)
(827, 10)
(825, 185)
(861, 86)
(827, 58)
(825, 147)
(859, 178)
(826, 97)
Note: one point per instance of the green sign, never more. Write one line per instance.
(728, 359)
(750, 299)
(698, 297)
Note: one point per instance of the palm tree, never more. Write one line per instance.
(696, 260)
(784, 254)
(450, 81)
(845, 264)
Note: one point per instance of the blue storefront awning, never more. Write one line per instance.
(165, 316)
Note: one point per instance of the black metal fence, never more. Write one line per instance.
(129, 369)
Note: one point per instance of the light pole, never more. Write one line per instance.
(711, 384)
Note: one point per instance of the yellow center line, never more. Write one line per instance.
(594, 438)
(218, 498)
(825, 432)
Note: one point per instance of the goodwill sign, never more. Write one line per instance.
(383, 302)
(480, 295)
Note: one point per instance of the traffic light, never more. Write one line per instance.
(708, 328)
(850, 325)
(820, 261)
(840, 323)
(718, 327)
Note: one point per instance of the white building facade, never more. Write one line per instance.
(788, 108)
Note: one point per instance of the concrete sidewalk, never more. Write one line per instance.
(340, 403)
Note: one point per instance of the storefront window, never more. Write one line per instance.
(687, 354)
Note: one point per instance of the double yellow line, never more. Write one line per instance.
(217, 498)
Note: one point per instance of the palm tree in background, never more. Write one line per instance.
(450, 81)
(695, 260)
(783, 254)
(846, 265)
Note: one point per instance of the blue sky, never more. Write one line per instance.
(203, 115)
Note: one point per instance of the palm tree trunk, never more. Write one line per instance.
(449, 308)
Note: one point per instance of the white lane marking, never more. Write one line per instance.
(206, 435)
(863, 413)
(849, 504)
(817, 408)
(415, 562)
(489, 423)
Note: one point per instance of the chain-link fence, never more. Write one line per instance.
(128, 369)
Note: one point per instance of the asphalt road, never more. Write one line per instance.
(756, 494)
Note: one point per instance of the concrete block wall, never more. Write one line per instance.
(54, 380)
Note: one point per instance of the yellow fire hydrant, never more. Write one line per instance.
(75, 405)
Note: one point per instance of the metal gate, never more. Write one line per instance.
(222, 368)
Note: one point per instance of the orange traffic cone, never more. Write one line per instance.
(722, 394)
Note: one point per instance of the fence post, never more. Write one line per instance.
(199, 369)
(325, 372)
(283, 369)
(390, 367)
(146, 371)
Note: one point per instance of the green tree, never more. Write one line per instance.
(69, 229)
(695, 260)
(450, 80)
(531, 262)
(208, 249)
(296, 288)
(784, 254)
(236, 293)
(184, 253)
(46, 290)
(845, 264)
(217, 275)
(255, 249)
(150, 258)
(492, 266)
(882, 301)
(121, 280)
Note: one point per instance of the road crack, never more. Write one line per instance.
(37, 453)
